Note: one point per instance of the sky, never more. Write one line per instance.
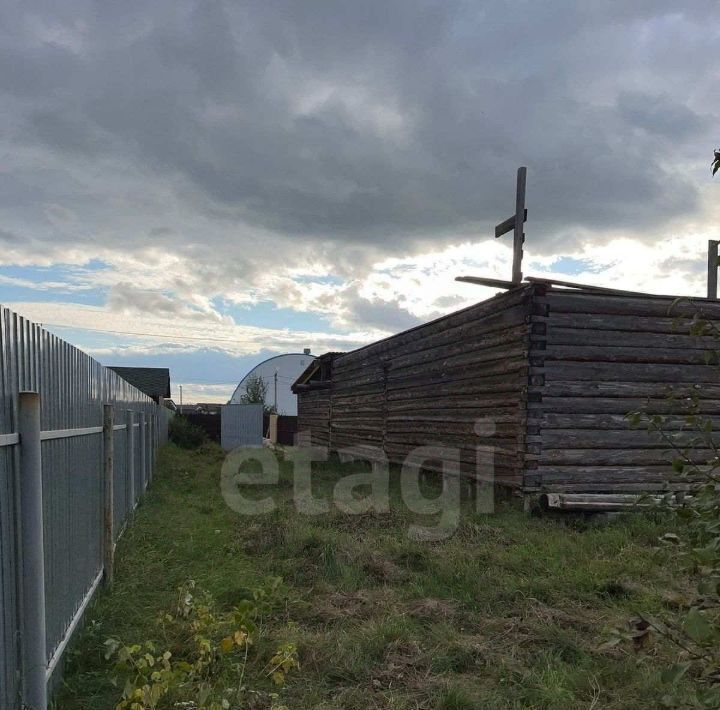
(201, 185)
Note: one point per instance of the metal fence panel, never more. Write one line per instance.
(241, 425)
(120, 486)
(9, 659)
(73, 389)
(8, 606)
(72, 502)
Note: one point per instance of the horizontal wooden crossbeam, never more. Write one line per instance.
(480, 281)
(584, 287)
(507, 226)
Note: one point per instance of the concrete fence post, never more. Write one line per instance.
(108, 512)
(130, 458)
(143, 453)
(34, 645)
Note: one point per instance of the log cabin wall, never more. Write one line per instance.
(596, 357)
(314, 414)
(431, 384)
(313, 395)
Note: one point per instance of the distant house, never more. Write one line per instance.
(153, 381)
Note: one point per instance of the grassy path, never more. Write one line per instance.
(508, 613)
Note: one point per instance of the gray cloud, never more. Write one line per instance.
(9, 237)
(127, 299)
(356, 311)
(660, 115)
(247, 135)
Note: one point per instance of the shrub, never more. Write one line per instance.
(209, 654)
(185, 434)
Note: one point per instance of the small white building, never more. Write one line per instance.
(278, 373)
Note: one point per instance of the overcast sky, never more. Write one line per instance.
(222, 181)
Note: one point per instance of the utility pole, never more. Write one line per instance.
(276, 391)
(180, 398)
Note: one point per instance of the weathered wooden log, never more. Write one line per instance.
(627, 372)
(611, 353)
(663, 306)
(622, 405)
(611, 421)
(507, 386)
(557, 335)
(600, 388)
(618, 457)
(598, 502)
(617, 322)
(607, 439)
(463, 407)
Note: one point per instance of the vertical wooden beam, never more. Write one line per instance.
(518, 234)
(108, 512)
(712, 268)
(272, 428)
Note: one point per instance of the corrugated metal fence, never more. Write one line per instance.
(241, 425)
(73, 388)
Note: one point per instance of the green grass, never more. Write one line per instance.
(508, 613)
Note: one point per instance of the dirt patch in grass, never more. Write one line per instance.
(339, 606)
(383, 570)
(430, 609)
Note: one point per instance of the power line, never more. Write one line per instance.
(148, 335)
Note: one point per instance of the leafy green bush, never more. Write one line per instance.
(185, 434)
(208, 654)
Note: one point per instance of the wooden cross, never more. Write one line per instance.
(514, 224)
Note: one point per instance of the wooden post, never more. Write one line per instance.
(518, 234)
(108, 455)
(130, 458)
(143, 453)
(151, 447)
(712, 268)
(272, 428)
(34, 656)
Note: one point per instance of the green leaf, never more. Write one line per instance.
(673, 674)
(697, 627)
(706, 555)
